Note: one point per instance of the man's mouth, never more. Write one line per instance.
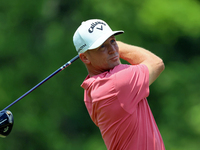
(115, 58)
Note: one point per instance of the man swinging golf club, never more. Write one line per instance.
(114, 93)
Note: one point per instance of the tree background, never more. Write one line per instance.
(36, 39)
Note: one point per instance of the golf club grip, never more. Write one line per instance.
(43, 81)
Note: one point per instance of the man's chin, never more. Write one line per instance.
(115, 64)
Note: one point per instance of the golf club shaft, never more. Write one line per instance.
(43, 81)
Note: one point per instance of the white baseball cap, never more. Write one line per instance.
(91, 34)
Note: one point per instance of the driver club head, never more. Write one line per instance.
(6, 122)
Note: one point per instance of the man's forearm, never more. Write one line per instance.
(137, 55)
(133, 54)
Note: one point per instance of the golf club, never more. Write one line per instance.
(6, 123)
(6, 117)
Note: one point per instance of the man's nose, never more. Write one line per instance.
(112, 49)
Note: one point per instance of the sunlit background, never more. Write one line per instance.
(36, 39)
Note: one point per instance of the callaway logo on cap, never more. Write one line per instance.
(91, 34)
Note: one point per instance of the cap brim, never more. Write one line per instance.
(103, 38)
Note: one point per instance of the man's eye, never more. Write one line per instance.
(102, 46)
(113, 41)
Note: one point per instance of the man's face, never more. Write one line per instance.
(104, 57)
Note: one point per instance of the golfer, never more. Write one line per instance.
(114, 93)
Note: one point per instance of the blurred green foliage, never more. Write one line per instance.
(36, 39)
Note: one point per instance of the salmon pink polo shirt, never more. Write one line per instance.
(117, 104)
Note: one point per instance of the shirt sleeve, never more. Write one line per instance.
(132, 84)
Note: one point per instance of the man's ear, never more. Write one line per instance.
(84, 58)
